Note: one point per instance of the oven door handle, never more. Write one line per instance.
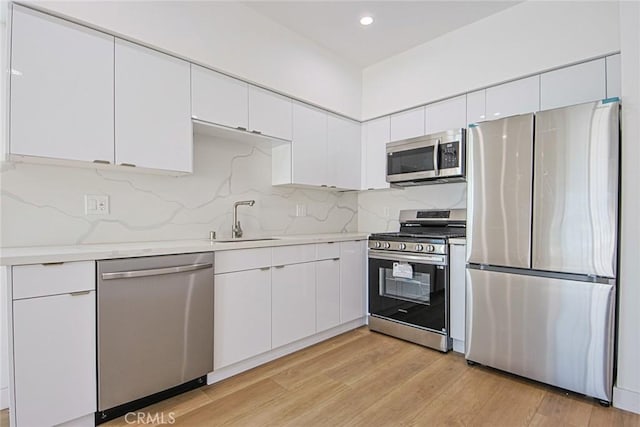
(418, 259)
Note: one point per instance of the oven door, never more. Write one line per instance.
(412, 289)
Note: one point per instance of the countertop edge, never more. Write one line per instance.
(70, 253)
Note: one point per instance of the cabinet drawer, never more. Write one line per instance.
(242, 259)
(51, 279)
(284, 255)
(327, 250)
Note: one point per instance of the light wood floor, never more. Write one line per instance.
(363, 378)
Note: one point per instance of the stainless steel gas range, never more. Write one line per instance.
(409, 277)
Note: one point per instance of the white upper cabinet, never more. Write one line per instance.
(309, 146)
(476, 103)
(517, 97)
(573, 85)
(61, 89)
(219, 99)
(614, 76)
(375, 136)
(153, 109)
(343, 153)
(445, 115)
(407, 124)
(269, 114)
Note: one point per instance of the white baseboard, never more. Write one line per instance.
(4, 398)
(245, 365)
(626, 399)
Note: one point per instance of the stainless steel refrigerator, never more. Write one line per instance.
(541, 246)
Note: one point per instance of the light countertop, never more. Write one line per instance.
(90, 252)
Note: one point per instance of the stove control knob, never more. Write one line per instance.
(387, 245)
(378, 244)
(419, 247)
(402, 246)
(431, 248)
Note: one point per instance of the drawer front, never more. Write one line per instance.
(242, 259)
(295, 254)
(327, 250)
(52, 279)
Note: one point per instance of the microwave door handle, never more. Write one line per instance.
(436, 149)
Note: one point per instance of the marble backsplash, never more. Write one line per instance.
(378, 210)
(44, 205)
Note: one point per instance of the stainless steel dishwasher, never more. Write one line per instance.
(155, 329)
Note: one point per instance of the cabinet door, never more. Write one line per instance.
(293, 303)
(54, 358)
(614, 89)
(61, 89)
(517, 97)
(327, 294)
(457, 291)
(353, 261)
(476, 103)
(269, 113)
(242, 316)
(407, 124)
(344, 153)
(219, 99)
(375, 137)
(309, 146)
(446, 115)
(153, 109)
(573, 85)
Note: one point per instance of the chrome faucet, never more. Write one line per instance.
(236, 230)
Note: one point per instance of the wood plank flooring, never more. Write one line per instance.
(362, 378)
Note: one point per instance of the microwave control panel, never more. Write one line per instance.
(449, 155)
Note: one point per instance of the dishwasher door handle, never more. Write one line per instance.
(154, 271)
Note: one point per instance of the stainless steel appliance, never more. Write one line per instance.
(155, 329)
(409, 277)
(429, 159)
(541, 247)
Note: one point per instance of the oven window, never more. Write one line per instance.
(417, 289)
(416, 160)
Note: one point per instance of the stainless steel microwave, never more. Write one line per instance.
(429, 159)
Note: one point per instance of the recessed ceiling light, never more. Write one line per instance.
(366, 20)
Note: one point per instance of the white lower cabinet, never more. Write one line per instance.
(327, 294)
(293, 302)
(457, 256)
(54, 354)
(353, 264)
(306, 290)
(242, 315)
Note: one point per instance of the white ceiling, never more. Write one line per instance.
(398, 25)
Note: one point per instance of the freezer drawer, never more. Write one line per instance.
(556, 331)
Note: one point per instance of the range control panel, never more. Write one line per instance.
(415, 247)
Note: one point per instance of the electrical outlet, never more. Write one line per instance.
(95, 204)
(301, 209)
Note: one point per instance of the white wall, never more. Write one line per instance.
(230, 37)
(627, 391)
(524, 39)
